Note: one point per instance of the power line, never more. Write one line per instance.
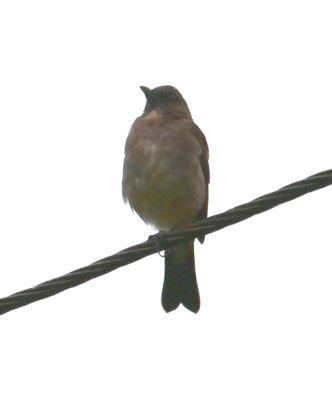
(160, 242)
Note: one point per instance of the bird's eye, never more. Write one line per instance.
(171, 96)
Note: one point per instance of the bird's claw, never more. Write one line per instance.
(157, 239)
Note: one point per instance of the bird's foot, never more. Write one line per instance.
(157, 239)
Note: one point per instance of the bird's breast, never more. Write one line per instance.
(162, 178)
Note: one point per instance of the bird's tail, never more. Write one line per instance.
(180, 284)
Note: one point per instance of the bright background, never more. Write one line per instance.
(257, 77)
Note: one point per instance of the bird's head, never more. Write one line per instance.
(166, 100)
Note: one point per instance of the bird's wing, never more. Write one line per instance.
(204, 159)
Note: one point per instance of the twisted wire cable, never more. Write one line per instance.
(163, 241)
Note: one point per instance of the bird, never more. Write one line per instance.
(165, 181)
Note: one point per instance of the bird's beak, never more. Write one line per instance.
(147, 92)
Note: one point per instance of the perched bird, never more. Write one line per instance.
(165, 180)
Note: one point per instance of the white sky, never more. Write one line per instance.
(257, 77)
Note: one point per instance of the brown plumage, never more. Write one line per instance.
(165, 180)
